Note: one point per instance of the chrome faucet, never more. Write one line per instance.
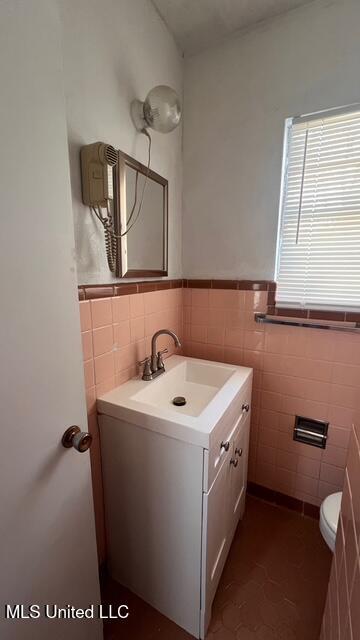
(154, 364)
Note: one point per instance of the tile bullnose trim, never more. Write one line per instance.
(90, 292)
(308, 314)
(94, 291)
(240, 285)
(312, 314)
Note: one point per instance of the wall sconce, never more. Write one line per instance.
(161, 110)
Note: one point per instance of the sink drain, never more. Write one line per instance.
(179, 401)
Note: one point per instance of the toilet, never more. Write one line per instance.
(329, 517)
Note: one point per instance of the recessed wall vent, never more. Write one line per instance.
(309, 431)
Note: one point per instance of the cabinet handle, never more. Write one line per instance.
(238, 452)
(225, 445)
(234, 462)
(246, 407)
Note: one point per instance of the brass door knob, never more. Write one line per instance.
(80, 440)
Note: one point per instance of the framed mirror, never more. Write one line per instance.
(143, 251)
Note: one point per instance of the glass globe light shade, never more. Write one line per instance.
(162, 109)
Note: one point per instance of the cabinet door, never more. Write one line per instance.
(215, 533)
(238, 473)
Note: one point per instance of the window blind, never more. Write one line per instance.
(318, 263)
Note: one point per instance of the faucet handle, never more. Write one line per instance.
(147, 375)
(160, 362)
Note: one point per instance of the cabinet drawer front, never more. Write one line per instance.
(224, 433)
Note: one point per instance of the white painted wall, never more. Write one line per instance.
(115, 51)
(237, 97)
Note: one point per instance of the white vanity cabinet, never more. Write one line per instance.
(172, 504)
(223, 506)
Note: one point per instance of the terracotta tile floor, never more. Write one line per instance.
(273, 586)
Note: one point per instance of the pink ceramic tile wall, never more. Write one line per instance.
(116, 334)
(342, 611)
(296, 371)
(314, 373)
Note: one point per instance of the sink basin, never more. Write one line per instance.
(208, 388)
(198, 382)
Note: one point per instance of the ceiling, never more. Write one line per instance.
(197, 24)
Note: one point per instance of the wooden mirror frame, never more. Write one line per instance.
(120, 217)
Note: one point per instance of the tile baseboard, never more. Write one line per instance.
(283, 500)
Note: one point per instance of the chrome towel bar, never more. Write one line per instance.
(263, 318)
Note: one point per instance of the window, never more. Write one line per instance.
(318, 261)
